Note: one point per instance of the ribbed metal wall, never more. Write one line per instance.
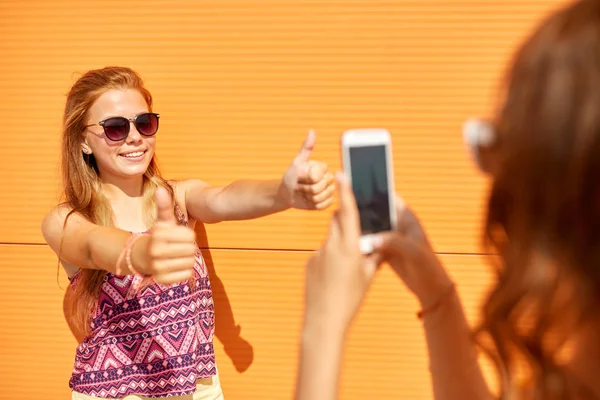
(238, 84)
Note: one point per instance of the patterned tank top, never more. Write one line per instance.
(153, 342)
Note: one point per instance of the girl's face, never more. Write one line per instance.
(127, 157)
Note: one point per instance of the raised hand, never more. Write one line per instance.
(307, 184)
(172, 247)
(338, 275)
(411, 256)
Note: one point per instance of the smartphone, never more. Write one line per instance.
(367, 161)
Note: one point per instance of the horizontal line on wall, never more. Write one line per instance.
(263, 249)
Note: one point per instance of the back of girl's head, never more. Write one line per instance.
(544, 209)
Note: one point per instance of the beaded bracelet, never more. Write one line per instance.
(437, 303)
(129, 247)
(126, 254)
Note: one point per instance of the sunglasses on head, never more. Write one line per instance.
(117, 128)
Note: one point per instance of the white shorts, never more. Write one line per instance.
(206, 389)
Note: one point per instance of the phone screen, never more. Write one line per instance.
(370, 185)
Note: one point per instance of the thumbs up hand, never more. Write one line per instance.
(172, 247)
(308, 184)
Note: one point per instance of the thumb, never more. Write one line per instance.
(164, 206)
(349, 218)
(307, 147)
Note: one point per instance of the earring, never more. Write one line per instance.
(478, 133)
(86, 150)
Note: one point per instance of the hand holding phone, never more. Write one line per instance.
(367, 161)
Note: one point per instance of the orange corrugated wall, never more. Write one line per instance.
(238, 84)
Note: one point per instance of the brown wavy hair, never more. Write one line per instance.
(82, 185)
(544, 206)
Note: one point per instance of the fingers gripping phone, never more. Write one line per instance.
(367, 161)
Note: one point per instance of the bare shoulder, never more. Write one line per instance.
(178, 192)
(54, 220)
(182, 189)
(53, 224)
(187, 184)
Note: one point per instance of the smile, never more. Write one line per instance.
(133, 156)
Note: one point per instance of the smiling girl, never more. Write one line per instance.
(140, 300)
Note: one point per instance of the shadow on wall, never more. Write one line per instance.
(237, 348)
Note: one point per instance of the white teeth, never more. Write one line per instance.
(136, 154)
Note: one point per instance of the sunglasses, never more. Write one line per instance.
(117, 128)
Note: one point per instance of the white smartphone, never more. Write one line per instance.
(367, 161)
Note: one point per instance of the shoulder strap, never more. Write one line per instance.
(181, 217)
(179, 214)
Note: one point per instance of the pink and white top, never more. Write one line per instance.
(154, 342)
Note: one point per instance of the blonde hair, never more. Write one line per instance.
(82, 186)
